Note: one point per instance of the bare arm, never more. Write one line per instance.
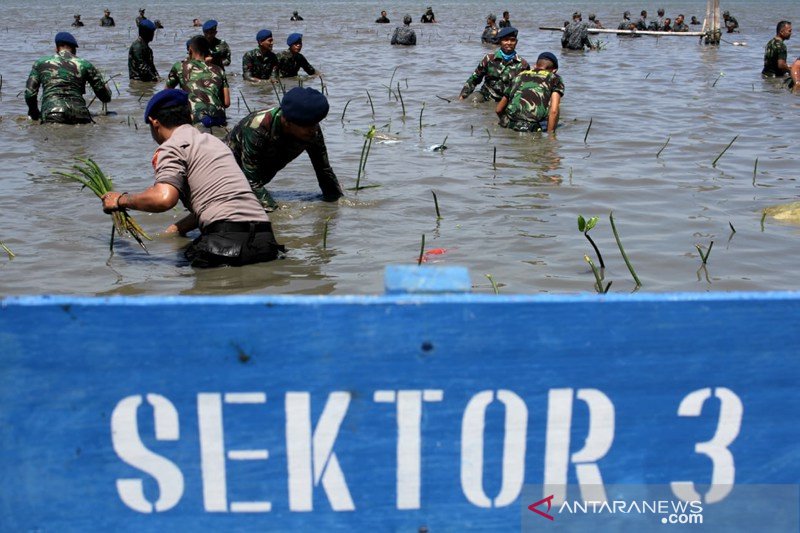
(795, 71)
(501, 105)
(226, 97)
(155, 199)
(552, 116)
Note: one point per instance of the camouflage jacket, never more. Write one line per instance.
(63, 79)
(259, 65)
(504, 23)
(626, 24)
(205, 84)
(529, 98)
(489, 34)
(107, 21)
(262, 149)
(496, 74)
(680, 27)
(220, 53)
(773, 52)
(140, 62)
(576, 36)
(290, 64)
(404, 35)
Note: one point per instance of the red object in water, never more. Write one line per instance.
(433, 251)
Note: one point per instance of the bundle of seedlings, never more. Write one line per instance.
(94, 179)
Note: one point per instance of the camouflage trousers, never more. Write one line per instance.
(522, 125)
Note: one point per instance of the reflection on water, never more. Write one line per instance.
(512, 215)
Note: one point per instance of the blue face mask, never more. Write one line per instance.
(508, 57)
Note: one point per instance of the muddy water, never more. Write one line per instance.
(515, 219)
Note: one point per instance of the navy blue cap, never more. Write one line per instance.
(294, 38)
(263, 34)
(66, 37)
(508, 31)
(188, 42)
(549, 55)
(209, 25)
(165, 98)
(148, 24)
(304, 106)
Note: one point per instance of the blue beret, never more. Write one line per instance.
(66, 38)
(508, 31)
(209, 25)
(263, 34)
(148, 24)
(165, 98)
(294, 38)
(304, 106)
(188, 42)
(549, 55)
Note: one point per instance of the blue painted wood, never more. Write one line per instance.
(408, 279)
(71, 367)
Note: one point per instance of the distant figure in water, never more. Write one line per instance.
(506, 22)
(107, 20)
(679, 24)
(594, 23)
(291, 61)
(658, 24)
(428, 17)
(196, 23)
(694, 21)
(383, 19)
(295, 17)
(404, 34)
(731, 24)
(775, 52)
(667, 24)
(141, 17)
(490, 31)
(77, 22)
(626, 23)
(576, 36)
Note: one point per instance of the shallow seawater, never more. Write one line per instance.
(514, 219)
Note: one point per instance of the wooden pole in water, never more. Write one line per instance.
(711, 24)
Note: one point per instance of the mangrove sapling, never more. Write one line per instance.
(420, 116)
(325, 234)
(494, 158)
(421, 250)
(401, 100)
(721, 74)
(733, 230)
(598, 285)
(91, 177)
(755, 171)
(11, 254)
(622, 251)
(345, 108)
(441, 147)
(714, 164)
(442, 98)
(244, 100)
(488, 133)
(494, 284)
(362, 163)
(763, 217)
(586, 136)
(1, 83)
(392, 79)
(584, 227)
(662, 148)
(370, 103)
(704, 256)
(436, 205)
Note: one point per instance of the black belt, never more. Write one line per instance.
(223, 226)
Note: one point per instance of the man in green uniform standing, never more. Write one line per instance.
(497, 69)
(775, 52)
(107, 21)
(260, 63)
(220, 51)
(533, 97)
(206, 84)
(291, 61)
(63, 79)
(140, 56)
(265, 141)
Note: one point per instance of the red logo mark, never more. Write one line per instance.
(549, 501)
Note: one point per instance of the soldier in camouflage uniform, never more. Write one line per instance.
(260, 63)
(206, 84)
(63, 79)
(679, 25)
(775, 52)
(220, 51)
(658, 24)
(576, 35)
(496, 70)
(534, 96)
(291, 61)
(107, 21)
(265, 141)
(140, 56)
(404, 35)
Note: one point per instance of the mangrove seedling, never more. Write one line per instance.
(598, 285)
(622, 251)
(714, 164)
(441, 147)
(421, 250)
(370, 103)
(325, 234)
(420, 116)
(494, 284)
(494, 158)
(586, 136)
(436, 204)
(662, 148)
(401, 100)
(7, 250)
(362, 164)
(345, 108)
(392, 79)
(704, 256)
(585, 226)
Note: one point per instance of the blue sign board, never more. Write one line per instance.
(394, 412)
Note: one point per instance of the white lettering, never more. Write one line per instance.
(514, 443)
(129, 448)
